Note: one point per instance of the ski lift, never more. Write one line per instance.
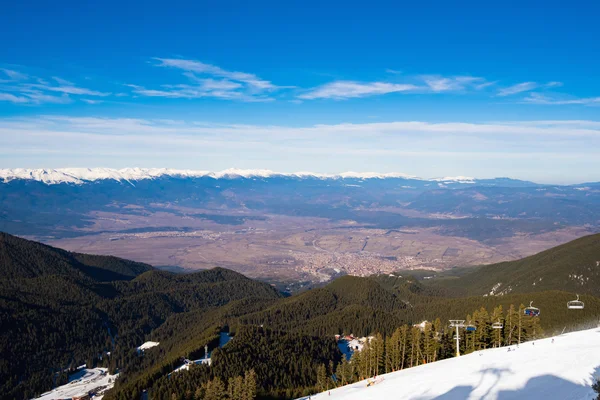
(471, 328)
(575, 304)
(497, 325)
(531, 310)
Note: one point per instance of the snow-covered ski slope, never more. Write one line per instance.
(81, 383)
(537, 370)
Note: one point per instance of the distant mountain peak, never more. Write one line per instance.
(83, 175)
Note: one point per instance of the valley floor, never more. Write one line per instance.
(562, 367)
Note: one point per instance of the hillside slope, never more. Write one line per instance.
(572, 267)
(540, 370)
(21, 258)
(60, 309)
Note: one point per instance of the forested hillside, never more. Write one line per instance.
(57, 311)
(573, 267)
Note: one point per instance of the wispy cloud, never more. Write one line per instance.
(208, 69)
(455, 83)
(27, 89)
(527, 87)
(348, 89)
(68, 88)
(207, 80)
(518, 88)
(12, 98)
(90, 101)
(553, 84)
(14, 75)
(538, 98)
(340, 90)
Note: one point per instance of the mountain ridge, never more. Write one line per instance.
(84, 175)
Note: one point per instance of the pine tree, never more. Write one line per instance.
(331, 372)
(482, 334)
(379, 354)
(404, 335)
(321, 378)
(249, 385)
(236, 388)
(520, 323)
(511, 326)
(215, 390)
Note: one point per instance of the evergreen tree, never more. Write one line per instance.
(236, 388)
(511, 326)
(250, 385)
(482, 334)
(379, 354)
(322, 378)
(215, 390)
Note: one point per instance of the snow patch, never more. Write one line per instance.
(147, 345)
(83, 382)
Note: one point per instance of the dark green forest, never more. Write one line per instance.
(60, 309)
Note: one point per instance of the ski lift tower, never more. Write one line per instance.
(457, 323)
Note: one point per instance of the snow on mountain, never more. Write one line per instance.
(82, 175)
(84, 381)
(454, 179)
(147, 345)
(563, 368)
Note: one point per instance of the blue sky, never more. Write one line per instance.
(429, 90)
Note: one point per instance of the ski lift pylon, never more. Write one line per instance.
(575, 304)
(531, 310)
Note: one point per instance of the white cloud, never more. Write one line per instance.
(68, 88)
(38, 97)
(210, 81)
(428, 83)
(456, 83)
(125, 126)
(90, 101)
(518, 88)
(61, 81)
(409, 146)
(348, 89)
(537, 98)
(12, 98)
(14, 75)
(27, 89)
(208, 69)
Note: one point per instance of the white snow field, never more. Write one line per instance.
(84, 381)
(147, 345)
(537, 370)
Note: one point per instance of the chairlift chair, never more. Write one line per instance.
(497, 325)
(531, 310)
(471, 328)
(575, 304)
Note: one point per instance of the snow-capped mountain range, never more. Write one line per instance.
(83, 175)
